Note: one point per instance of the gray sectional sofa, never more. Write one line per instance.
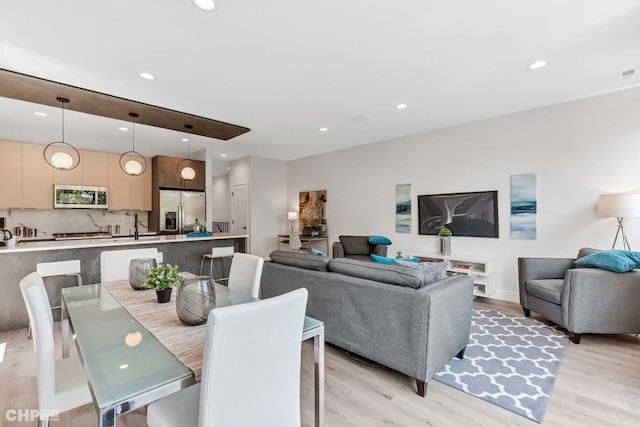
(385, 313)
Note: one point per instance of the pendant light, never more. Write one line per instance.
(60, 154)
(187, 169)
(131, 162)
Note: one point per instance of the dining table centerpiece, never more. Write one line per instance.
(162, 278)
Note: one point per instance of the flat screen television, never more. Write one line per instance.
(465, 214)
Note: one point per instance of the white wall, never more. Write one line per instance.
(267, 187)
(221, 199)
(578, 150)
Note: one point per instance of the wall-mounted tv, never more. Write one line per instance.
(465, 214)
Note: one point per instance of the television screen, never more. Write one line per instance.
(465, 214)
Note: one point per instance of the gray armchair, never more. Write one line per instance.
(357, 247)
(581, 300)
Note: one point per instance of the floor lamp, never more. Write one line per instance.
(620, 206)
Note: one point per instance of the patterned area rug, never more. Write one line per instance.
(510, 361)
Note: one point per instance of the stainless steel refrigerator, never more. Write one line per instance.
(179, 210)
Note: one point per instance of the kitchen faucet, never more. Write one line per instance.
(135, 224)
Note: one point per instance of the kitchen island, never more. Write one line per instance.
(18, 261)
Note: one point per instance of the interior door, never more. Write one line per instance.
(240, 204)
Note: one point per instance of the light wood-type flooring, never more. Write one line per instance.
(598, 384)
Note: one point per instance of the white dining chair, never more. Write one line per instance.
(62, 385)
(57, 268)
(245, 273)
(250, 369)
(114, 265)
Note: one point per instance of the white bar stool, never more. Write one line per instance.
(58, 268)
(218, 253)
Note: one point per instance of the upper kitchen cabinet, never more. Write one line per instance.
(11, 175)
(166, 174)
(95, 168)
(37, 178)
(128, 192)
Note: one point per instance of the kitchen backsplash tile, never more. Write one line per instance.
(73, 220)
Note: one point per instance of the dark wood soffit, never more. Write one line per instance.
(40, 91)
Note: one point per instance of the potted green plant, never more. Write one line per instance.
(162, 278)
(445, 240)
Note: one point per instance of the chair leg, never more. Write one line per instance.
(575, 338)
(201, 262)
(460, 354)
(527, 312)
(28, 330)
(422, 388)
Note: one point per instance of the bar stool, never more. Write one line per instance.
(218, 253)
(58, 268)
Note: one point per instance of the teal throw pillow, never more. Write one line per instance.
(382, 260)
(379, 240)
(615, 260)
(317, 252)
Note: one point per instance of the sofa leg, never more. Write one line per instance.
(460, 354)
(527, 312)
(575, 337)
(422, 388)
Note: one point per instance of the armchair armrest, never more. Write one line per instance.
(601, 301)
(338, 250)
(540, 268)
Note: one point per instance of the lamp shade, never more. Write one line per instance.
(292, 216)
(619, 205)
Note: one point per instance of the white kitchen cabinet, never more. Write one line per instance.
(11, 175)
(37, 178)
(128, 192)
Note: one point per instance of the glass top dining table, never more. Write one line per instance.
(127, 367)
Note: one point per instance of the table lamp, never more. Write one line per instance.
(619, 206)
(293, 216)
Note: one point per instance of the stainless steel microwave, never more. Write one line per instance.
(80, 197)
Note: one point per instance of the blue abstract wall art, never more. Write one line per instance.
(524, 206)
(403, 208)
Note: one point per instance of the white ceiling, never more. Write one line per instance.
(286, 68)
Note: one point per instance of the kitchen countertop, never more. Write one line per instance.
(49, 245)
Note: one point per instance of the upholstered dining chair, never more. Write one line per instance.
(250, 369)
(114, 265)
(61, 383)
(245, 273)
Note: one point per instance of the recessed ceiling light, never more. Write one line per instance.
(323, 129)
(185, 139)
(147, 76)
(38, 113)
(123, 128)
(537, 65)
(223, 155)
(207, 5)
(401, 106)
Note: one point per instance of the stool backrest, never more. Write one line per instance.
(225, 251)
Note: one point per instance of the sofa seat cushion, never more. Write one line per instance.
(385, 273)
(356, 245)
(301, 260)
(546, 289)
(366, 258)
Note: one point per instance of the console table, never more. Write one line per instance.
(307, 242)
(481, 269)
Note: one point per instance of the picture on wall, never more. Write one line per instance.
(472, 214)
(313, 214)
(403, 208)
(524, 206)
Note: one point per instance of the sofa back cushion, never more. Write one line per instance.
(300, 260)
(385, 273)
(355, 245)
